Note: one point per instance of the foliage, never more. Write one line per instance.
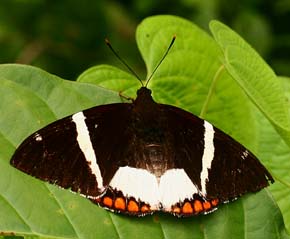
(191, 78)
(66, 37)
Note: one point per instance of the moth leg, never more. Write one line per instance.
(125, 97)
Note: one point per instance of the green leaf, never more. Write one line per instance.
(187, 78)
(277, 153)
(36, 98)
(254, 76)
(112, 78)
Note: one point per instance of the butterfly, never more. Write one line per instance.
(141, 157)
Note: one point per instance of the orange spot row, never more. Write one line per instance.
(120, 204)
(196, 207)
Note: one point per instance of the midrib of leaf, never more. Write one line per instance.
(8, 203)
(65, 212)
(272, 199)
(211, 90)
(163, 232)
(114, 225)
(204, 233)
(279, 179)
(41, 236)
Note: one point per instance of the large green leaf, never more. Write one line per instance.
(256, 78)
(277, 153)
(269, 93)
(31, 98)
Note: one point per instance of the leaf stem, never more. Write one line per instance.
(210, 92)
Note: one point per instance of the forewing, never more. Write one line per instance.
(76, 152)
(217, 164)
(234, 170)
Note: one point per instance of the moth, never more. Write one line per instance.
(141, 157)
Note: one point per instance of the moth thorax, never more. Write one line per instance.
(155, 154)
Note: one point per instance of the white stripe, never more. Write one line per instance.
(84, 141)
(137, 183)
(174, 187)
(208, 155)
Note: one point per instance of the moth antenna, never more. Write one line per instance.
(123, 62)
(165, 54)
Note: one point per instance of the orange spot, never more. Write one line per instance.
(187, 208)
(107, 201)
(206, 205)
(120, 203)
(145, 208)
(176, 209)
(197, 205)
(215, 202)
(133, 206)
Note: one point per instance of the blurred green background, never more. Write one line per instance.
(65, 37)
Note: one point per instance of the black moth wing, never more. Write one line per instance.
(141, 135)
(234, 170)
(53, 153)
